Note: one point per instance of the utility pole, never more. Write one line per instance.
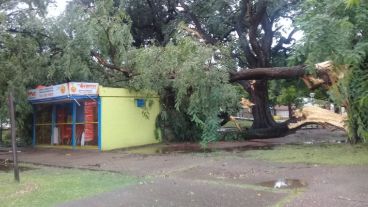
(13, 136)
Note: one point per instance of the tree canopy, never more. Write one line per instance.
(200, 56)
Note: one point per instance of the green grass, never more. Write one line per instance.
(331, 154)
(242, 124)
(48, 186)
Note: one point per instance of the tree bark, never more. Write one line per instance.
(290, 110)
(269, 73)
(261, 110)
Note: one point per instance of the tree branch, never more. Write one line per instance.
(268, 73)
(103, 62)
(206, 37)
(241, 29)
(255, 19)
(26, 32)
(284, 40)
(267, 24)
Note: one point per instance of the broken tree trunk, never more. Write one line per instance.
(317, 115)
(301, 117)
(255, 82)
(325, 74)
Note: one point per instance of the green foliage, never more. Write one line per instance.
(352, 3)
(358, 99)
(22, 39)
(285, 92)
(184, 71)
(335, 32)
(201, 85)
(288, 96)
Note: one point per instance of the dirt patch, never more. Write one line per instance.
(306, 136)
(184, 148)
(168, 149)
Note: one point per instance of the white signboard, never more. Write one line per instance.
(83, 88)
(32, 94)
(66, 89)
(48, 92)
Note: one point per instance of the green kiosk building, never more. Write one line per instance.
(90, 116)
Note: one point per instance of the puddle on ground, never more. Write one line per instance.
(7, 166)
(284, 184)
(168, 149)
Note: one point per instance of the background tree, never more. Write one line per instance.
(33, 51)
(21, 53)
(288, 96)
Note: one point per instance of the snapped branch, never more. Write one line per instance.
(199, 31)
(127, 72)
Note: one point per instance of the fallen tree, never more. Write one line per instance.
(255, 55)
(317, 115)
(252, 79)
(308, 115)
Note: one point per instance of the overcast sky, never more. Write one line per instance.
(57, 8)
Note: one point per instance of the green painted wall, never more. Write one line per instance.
(123, 123)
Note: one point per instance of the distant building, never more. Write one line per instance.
(281, 112)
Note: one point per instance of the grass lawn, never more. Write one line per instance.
(48, 186)
(242, 124)
(331, 154)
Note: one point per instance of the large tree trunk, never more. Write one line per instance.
(290, 111)
(264, 126)
(261, 111)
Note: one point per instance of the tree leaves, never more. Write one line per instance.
(335, 32)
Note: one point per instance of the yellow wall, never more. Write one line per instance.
(122, 122)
